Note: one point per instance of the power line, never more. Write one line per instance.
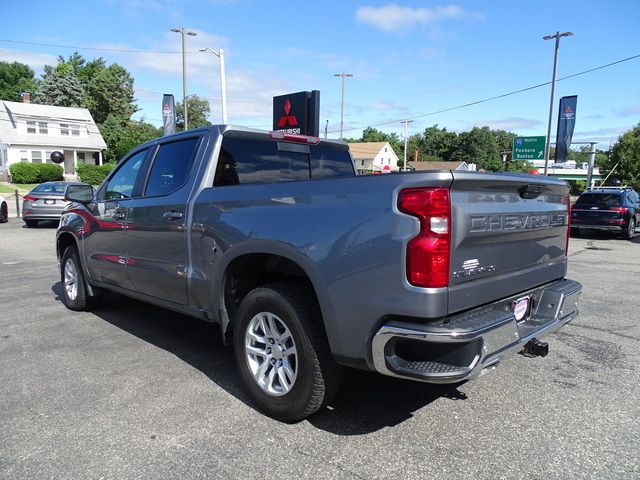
(491, 98)
(120, 50)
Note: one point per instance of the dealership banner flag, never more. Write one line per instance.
(168, 114)
(566, 122)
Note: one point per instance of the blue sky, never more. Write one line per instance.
(408, 58)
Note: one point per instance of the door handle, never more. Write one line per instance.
(172, 215)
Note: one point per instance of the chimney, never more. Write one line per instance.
(26, 97)
(415, 156)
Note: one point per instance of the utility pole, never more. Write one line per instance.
(326, 128)
(342, 99)
(404, 163)
(182, 31)
(557, 36)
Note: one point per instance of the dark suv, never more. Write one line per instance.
(614, 209)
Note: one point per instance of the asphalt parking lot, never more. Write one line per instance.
(133, 391)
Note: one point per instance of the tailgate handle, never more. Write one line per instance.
(530, 191)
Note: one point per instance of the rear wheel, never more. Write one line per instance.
(4, 213)
(31, 223)
(630, 231)
(282, 352)
(74, 291)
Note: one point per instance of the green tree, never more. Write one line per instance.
(371, 134)
(625, 158)
(60, 86)
(123, 135)
(438, 144)
(504, 140)
(198, 111)
(478, 146)
(110, 92)
(16, 78)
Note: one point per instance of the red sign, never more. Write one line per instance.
(287, 118)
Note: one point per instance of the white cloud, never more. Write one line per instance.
(396, 18)
(512, 123)
(36, 61)
(431, 54)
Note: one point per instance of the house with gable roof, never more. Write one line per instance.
(373, 157)
(30, 133)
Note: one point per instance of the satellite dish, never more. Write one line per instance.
(57, 157)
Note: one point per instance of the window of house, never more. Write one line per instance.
(362, 163)
(75, 130)
(171, 166)
(385, 149)
(81, 157)
(64, 129)
(31, 127)
(36, 156)
(24, 156)
(43, 128)
(47, 157)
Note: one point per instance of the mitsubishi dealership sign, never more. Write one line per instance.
(297, 113)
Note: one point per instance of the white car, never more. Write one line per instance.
(4, 211)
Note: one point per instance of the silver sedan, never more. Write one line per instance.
(45, 202)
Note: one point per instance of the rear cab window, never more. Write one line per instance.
(253, 159)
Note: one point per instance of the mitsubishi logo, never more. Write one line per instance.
(286, 118)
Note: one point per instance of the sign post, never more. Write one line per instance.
(528, 148)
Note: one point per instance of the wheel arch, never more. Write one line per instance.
(247, 267)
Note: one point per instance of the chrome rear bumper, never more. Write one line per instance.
(465, 346)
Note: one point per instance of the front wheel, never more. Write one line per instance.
(282, 352)
(4, 213)
(74, 291)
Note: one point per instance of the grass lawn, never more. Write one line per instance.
(22, 187)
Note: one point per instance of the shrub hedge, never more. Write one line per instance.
(35, 172)
(94, 174)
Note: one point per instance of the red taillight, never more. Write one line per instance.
(428, 252)
(29, 198)
(293, 137)
(619, 209)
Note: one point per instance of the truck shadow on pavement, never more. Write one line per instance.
(366, 403)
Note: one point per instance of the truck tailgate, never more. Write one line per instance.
(508, 234)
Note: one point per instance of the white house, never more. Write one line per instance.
(372, 157)
(30, 132)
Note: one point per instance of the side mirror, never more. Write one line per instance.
(79, 193)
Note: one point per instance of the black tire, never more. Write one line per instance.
(4, 213)
(81, 300)
(630, 231)
(318, 376)
(31, 223)
(575, 232)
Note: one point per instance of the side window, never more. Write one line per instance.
(121, 184)
(171, 166)
(330, 162)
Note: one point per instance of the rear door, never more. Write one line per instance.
(156, 235)
(509, 234)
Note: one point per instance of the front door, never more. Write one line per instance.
(104, 244)
(69, 162)
(156, 235)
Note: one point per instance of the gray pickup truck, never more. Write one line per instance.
(308, 268)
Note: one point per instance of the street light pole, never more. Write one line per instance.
(342, 100)
(404, 163)
(553, 89)
(182, 31)
(223, 86)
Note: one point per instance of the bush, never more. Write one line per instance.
(94, 174)
(35, 172)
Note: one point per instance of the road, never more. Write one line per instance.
(133, 391)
